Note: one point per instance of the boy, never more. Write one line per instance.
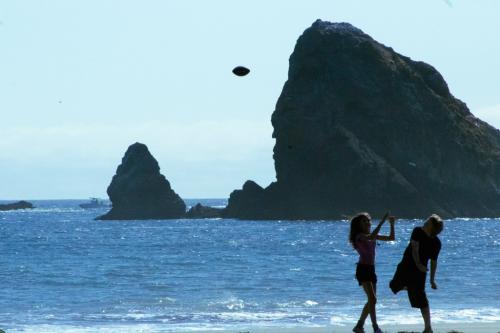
(411, 272)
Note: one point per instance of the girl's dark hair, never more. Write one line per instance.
(356, 227)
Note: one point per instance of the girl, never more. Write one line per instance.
(364, 242)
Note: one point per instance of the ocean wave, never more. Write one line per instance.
(231, 303)
(196, 318)
(189, 322)
(441, 316)
(141, 328)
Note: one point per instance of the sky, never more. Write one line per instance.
(82, 80)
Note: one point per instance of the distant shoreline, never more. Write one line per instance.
(192, 201)
(86, 198)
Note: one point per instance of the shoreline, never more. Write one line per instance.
(490, 327)
(466, 327)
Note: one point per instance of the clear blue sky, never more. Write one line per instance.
(82, 80)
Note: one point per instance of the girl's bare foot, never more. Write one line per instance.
(358, 329)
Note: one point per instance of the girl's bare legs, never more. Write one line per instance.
(364, 315)
(369, 308)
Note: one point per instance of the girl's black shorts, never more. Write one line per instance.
(366, 273)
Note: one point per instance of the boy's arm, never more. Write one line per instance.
(392, 235)
(434, 264)
(416, 256)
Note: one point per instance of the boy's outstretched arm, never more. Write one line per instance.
(434, 264)
(392, 235)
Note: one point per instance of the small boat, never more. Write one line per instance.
(94, 203)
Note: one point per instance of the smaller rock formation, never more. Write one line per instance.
(202, 212)
(16, 205)
(248, 203)
(139, 192)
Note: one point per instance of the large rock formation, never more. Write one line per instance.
(199, 211)
(359, 127)
(16, 205)
(138, 191)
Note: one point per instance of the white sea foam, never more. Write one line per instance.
(284, 319)
(231, 303)
(342, 320)
(141, 328)
(482, 315)
(310, 303)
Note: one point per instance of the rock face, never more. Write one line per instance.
(199, 211)
(16, 205)
(139, 191)
(359, 127)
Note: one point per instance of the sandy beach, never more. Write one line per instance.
(403, 328)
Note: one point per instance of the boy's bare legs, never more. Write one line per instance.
(426, 314)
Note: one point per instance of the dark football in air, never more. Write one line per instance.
(241, 71)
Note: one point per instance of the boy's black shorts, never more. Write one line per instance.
(366, 273)
(418, 297)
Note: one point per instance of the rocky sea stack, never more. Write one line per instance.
(199, 211)
(138, 191)
(16, 205)
(359, 127)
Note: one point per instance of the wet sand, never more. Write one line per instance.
(394, 328)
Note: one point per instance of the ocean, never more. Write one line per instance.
(62, 271)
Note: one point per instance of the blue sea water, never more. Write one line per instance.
(62, 271)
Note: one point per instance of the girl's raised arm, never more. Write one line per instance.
(392, 235)
(375, 231)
